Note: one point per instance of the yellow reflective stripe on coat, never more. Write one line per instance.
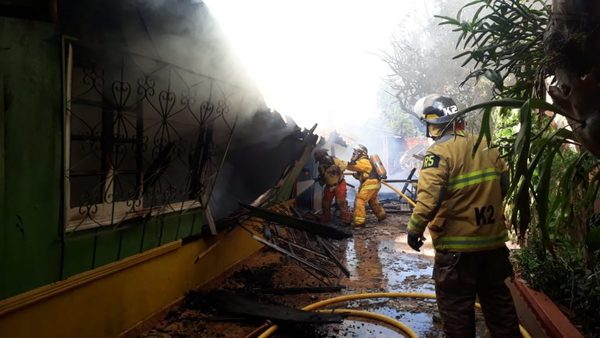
(474, 177)
(415, 225)
(470, 242)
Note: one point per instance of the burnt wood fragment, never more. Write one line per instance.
(299, 290)
(323, 230)
(251, 307)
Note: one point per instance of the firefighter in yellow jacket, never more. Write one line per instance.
(459, 198)
(369, 186)
(331, 177)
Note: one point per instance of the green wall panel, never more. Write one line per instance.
(184, 228)
(188, 221)
(130, 241)
(79, 255)
(96, 247)
(198, 224)
(151, 235)
(32, 119)
(107, 248)
(169, 229)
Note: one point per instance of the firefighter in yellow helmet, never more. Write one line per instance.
(369, 186)
(331, 177)
(459, 199)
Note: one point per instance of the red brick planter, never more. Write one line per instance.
(538, 314)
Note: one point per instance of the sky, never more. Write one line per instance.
(316, 61)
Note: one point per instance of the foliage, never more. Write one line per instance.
(392, 118)
(416, 70)
(554, 183)
(504, 42)
(565, 279)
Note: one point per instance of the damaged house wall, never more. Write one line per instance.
(261, 151)
(117, 120)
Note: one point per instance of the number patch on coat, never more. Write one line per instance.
(431, 161)
(485, 215)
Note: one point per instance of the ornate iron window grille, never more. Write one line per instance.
(142, 137)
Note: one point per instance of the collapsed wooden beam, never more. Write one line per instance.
(323, 230)
(300, 290)
(248, 306)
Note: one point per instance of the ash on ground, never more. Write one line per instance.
(379, 261)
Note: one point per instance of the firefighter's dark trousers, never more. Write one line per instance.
(460, 277)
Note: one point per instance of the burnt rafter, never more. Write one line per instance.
(251, 306)
(142, 136)
(323, 230)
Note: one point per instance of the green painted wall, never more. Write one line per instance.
(89, 249)
(31, 159)
(31, 124)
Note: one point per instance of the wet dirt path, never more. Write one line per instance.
(379, 261)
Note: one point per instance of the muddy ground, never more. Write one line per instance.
(378, 259)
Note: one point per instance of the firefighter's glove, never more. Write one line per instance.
(415, 241)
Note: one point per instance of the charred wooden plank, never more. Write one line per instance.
(298, 290)
(332, 255)
(248, 306)
(323, 230)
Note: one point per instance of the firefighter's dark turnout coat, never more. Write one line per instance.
(459, 196)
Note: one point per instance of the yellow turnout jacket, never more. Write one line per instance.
(459, 196)
(364, 170)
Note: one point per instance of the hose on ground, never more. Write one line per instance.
(388, 320)
(375, 316)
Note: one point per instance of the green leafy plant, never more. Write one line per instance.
(504, 42)
(554, 181)
(566, 280)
